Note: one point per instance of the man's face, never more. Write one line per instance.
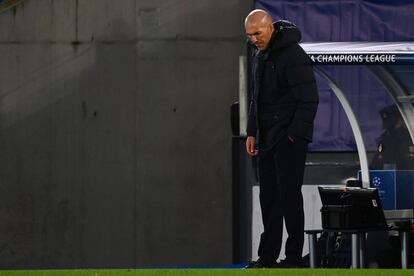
(259, 35)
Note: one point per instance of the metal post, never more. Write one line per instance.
(312, 249)
(404, 238)
(243, 95)
(362, 248)
(355, 250)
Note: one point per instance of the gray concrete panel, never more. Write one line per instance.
(68, 163)
(184, 150)
(115, 150)
(39, 21)
(108, 108)
(175, 19)
(106, 20)
(33, 76)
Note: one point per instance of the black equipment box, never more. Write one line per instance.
(340, 217)
(351, 209)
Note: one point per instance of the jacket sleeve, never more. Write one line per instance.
(301, 79)
(251, 120)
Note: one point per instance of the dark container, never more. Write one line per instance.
(345, 217)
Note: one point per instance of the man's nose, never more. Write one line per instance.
(253, 39)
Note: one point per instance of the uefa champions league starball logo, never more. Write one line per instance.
(376, 182)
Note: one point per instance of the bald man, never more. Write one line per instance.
(283, 105)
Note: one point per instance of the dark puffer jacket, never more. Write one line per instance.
(284, 97)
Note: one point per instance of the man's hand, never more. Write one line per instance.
(250, 143)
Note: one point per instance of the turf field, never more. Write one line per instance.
(211, 272)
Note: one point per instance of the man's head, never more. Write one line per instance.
(259, 28)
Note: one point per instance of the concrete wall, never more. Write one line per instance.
(115, 138)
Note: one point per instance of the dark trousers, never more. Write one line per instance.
(281, 172)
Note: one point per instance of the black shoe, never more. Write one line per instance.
(288, 264)
(254, 264)
(259, 264)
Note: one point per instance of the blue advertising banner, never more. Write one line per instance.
(385, 182)
(396, 188)
(351, 20)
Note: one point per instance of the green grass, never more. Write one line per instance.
(211, 272)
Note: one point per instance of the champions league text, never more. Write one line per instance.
(353, 58)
